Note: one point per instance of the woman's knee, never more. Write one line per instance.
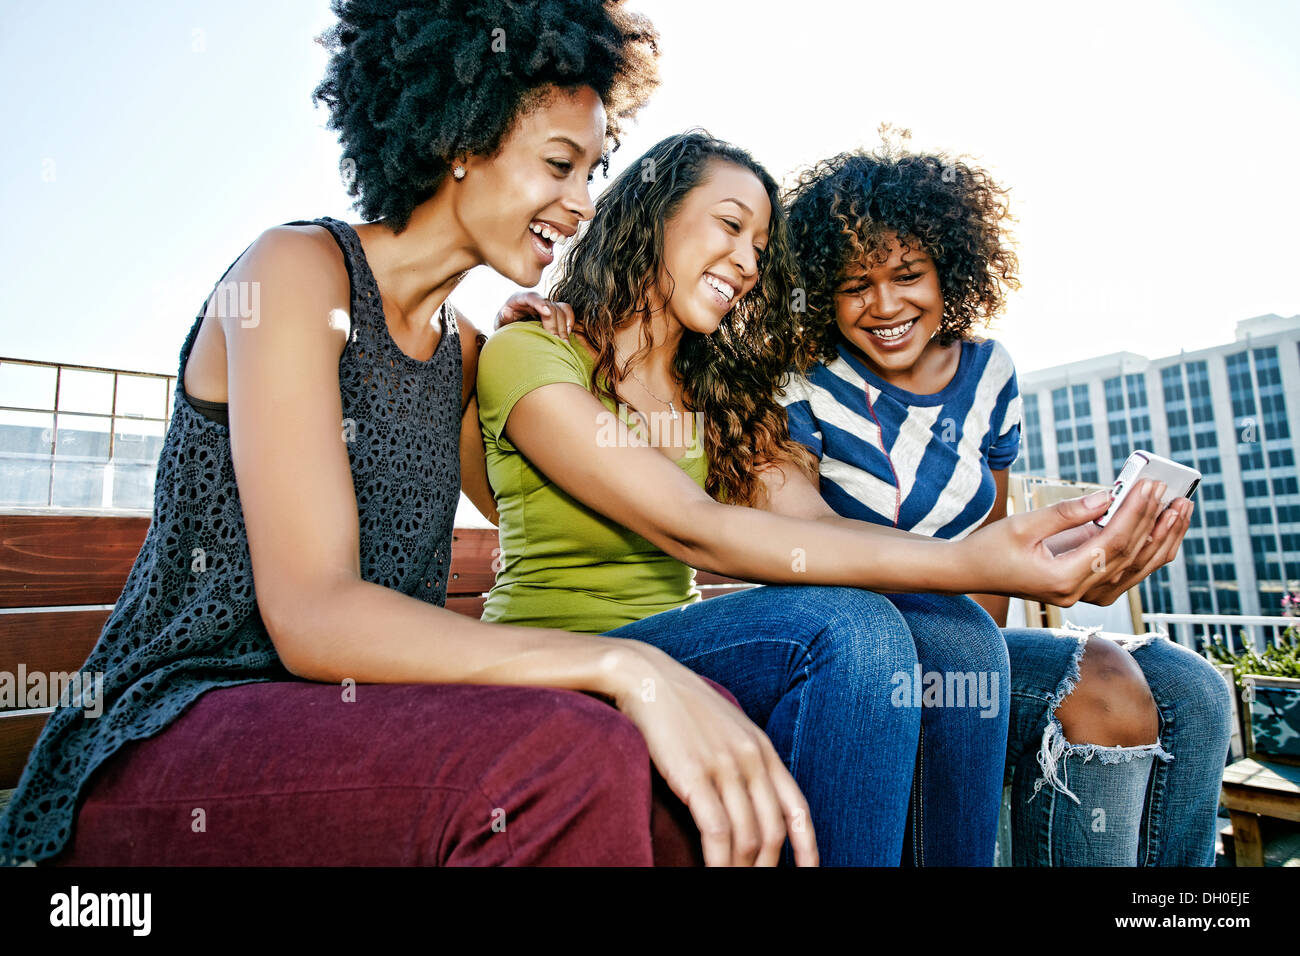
(1111, 704)
(954, 633)
(581, 724)
(862, 630)
(1187, 686)
(572, 787)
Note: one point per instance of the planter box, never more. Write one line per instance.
(1271, 712)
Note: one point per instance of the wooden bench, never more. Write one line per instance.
(61, 572)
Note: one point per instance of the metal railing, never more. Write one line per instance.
(1234, 629)
(92, 441)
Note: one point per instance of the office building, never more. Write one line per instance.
(1222, 410)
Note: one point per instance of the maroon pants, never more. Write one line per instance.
(291, 774)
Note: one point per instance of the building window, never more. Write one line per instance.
(1060, 404)
(1082, 408)
(1030, 434)
(1137, 391)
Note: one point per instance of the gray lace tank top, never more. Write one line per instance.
(187, 620)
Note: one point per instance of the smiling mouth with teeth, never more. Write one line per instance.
(897, 331)
(544, 232)
(726, 291)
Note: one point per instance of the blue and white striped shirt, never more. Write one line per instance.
(923, 463)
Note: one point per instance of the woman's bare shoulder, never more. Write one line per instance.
(304, 253)
(294, 280)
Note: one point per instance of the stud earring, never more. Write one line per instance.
(459, 172)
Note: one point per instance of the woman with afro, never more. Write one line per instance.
(1116, 747)
(281, 681)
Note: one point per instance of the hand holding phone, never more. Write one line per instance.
(1180, 480)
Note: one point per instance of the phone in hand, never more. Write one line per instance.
(1180, 480)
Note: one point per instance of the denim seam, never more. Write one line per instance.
(918, 843)
(1051, 825)
(797, 731)
(749, 640)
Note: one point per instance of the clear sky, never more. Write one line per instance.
(1150, 146)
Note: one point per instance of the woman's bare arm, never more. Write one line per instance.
(473, 466)
(295, 484)
(996, 604)
(789, 492)
(561, 428)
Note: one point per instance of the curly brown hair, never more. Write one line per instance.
(730, 375)
(843, 210)
(413, 83)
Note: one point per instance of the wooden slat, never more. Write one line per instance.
(708, 577)
(53, 560)
(719, 590)
(1263, 775)
(1265, 803)
(471, 561)
(18, 733)
(49, 641)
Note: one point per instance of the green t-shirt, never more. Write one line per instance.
(564, 565)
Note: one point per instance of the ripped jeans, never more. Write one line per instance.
(1088, 805)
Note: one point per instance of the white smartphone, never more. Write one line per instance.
(1180, 480)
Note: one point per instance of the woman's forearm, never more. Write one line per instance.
(375, 635)
(996, 605)
(760, 546)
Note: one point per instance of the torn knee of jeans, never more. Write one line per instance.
(1056, 751)
(1135, 642)
(1054, 754)
(1129, 642)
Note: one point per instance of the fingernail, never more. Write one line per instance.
(1097, 498)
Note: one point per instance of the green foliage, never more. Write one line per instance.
(1281, 660)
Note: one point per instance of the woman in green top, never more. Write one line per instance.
(679, 292)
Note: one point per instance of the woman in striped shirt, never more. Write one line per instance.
(916, 422)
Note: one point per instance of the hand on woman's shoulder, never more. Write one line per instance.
(519, 338)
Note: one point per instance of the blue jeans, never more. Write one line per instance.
(1086, 805)
(831, 674)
